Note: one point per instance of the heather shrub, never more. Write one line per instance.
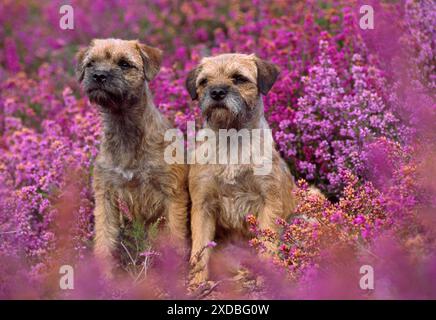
(319, 225)
(332, 124)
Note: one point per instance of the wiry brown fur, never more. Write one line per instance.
(222, 195)
(130, 166)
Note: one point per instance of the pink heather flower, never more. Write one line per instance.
(359, 219)
(211, 244)
(201, 34)
(366, 232)
(11, 55)
(336, 217)
(124, 208)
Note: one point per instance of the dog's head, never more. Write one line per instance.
(229, 86)
(113, 71)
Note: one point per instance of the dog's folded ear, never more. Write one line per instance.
(152, 60)
(267, 74)
(190, 83)
(80, 67)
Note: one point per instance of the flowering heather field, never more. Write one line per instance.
(353, 112)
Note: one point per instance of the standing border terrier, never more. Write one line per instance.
(130, 167)
(229, 89)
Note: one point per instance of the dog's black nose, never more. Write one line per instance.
(218, 93)
(99, 77)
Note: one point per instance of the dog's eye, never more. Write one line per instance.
(203, 82)
(124, 64)
(239, 79)
(89, 64)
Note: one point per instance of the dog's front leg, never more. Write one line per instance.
(177, 206)
(203, 232)
(178, 218)
(272, 210)
(106, 232)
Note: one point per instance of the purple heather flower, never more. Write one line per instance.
(211, 244)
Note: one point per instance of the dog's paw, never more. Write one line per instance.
(201, 290)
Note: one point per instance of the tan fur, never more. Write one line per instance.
(223, 195)
(130, 166)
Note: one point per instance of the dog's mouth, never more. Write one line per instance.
(220, 116)
(226, 114)
(218, 106)
(97, 90)
(103, 97)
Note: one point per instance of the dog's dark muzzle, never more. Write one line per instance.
(101, 83)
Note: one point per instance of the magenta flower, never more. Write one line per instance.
(211, 244)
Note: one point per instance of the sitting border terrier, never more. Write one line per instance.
(130, 167)
(229, 89)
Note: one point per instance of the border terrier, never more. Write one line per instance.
(130, 166)
(229, 88)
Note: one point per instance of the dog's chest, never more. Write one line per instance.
(230, 173)
(139, 191)
(241, 195)
(124, 177)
